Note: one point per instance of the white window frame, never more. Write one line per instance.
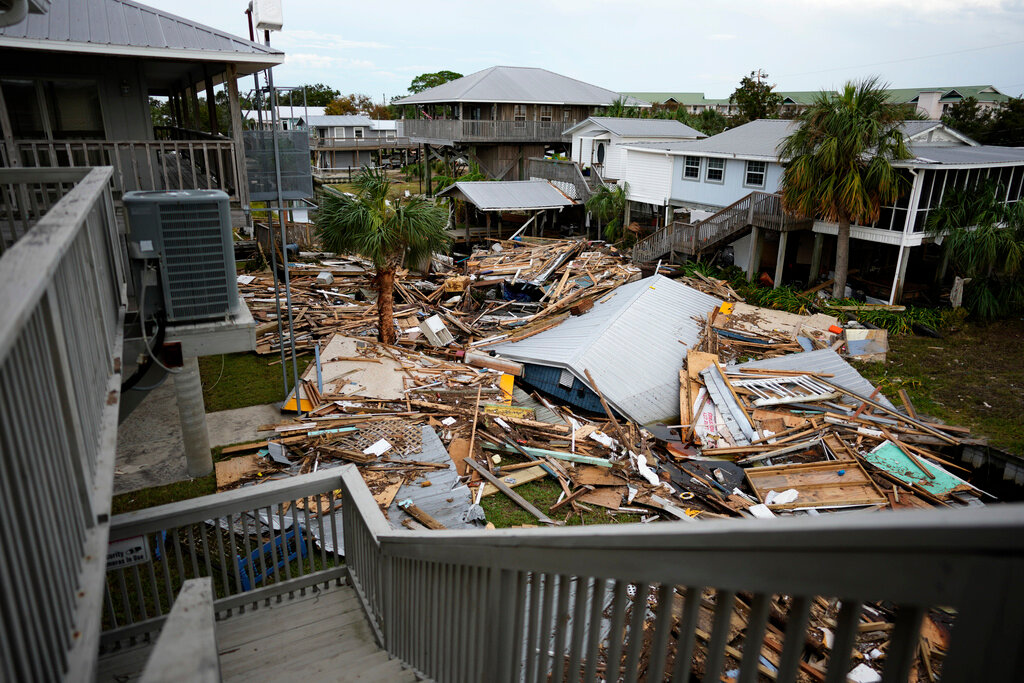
(547, 113)
(763, 172)
(686, 166)
(358, 132)
(708, 169)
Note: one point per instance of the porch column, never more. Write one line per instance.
(241, 179)
(780, 258)
(901, 276)
(188, 390)
(5, 123)
(211, 103)
(183, 108)
(819, 240)
(754, 258)
(195, 107)
(426, 170)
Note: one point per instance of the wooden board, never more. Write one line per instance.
(819, 484)
(594, 476)
(695, 362)
(605, 496)
(234, 470)
(458, 451)
(510, 411)
(516, 478)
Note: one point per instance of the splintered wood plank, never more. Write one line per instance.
(517, 478)
(234, 470)
(458, 450)
(605, 496)
(818, 484)
(594, 476)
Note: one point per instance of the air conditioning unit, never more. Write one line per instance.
(186, 234)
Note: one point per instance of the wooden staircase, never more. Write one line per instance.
(757, 209)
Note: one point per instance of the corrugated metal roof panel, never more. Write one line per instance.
(509, 195)
(125, 23)
(517, 84)
(824, 361)
(642, 128)
(630, 342)
(963, 154)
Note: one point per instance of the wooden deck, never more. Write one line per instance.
(323, 635)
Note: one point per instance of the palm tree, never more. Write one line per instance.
(983, 239)
(385, 231)
(838, 162)
(619, 109)
(608, 205)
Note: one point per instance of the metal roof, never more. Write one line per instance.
(825, 361)
(640, 128)
(508, 195)
(518, 84)
(984, 155)
(762, 138)
(340, 120)
(688, 98)
(126, 28)
(630, 342)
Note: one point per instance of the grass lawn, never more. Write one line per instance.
(543, 493)
(248, 380)
(973, 377)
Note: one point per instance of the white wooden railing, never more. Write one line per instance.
(62, 305)
(454, 130)
(207, 164)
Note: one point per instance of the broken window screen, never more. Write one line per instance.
(691, 168)
(755, 173)
(716, 171)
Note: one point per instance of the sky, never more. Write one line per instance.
(644, 45)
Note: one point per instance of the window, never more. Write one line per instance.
(358, 132)
(566, 114)
(716, 171)
(519, 115)
(545, 113)
(54, 109)
(755, 173)
(691, 168)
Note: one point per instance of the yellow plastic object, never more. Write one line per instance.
(304, 403)
(506, 384)
(725, 308)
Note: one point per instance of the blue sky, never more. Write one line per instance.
(667, 45)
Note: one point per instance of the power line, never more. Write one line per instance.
(905, 59)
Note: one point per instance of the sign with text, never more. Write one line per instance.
(127, 552)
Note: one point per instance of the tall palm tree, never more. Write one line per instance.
(608, 205)
(838, 162)
(385, 231)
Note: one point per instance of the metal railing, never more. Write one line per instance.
(360, 143)
(455, 130)
(62, 304)
(566, 173)
(623, 604)
(253, 543)
(207, 164)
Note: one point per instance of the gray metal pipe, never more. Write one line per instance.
(188, 389)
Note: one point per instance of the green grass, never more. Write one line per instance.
(248, 380)
(160, 495)
(543, 493)
(398, 187)
(974, 377)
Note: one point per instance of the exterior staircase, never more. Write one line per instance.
(756, 210)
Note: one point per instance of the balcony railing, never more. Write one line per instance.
(602, 601)
(439, 131)
(360, 143)
(62, 303)
(209, 164)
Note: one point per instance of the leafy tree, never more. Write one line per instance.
(317, 95)
(349, 104)
(160, 112)
(983, 239)
(838, 162)
(1007, 125)
(710, 122)
(381, 112)
(426, 81)
(385, 231)
(608, 205)
(755, 98)
(968, 117)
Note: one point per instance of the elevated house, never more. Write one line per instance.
(502, 116)
(75, 89)
(725, 190)
(691, 102)
(599, 141)
(289, 116)
(342, 144)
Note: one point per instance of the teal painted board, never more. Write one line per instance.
(889, 457)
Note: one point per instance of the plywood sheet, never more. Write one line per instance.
(234, 470)
(517, 478)
(819, 484)
(594, 476)
(605, 496)
(890, 458)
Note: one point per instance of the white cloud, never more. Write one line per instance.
(317, 61)
(313, 39)
(721, 36)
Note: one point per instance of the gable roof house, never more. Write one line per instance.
(599, 141)
(77, 80)
(341, 144)
(503, 115)
(728, 183)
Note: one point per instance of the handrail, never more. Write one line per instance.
(191, 629)
(62, 304)
(483, 130)
(370, 142)
(207, 163)
(462, 605)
